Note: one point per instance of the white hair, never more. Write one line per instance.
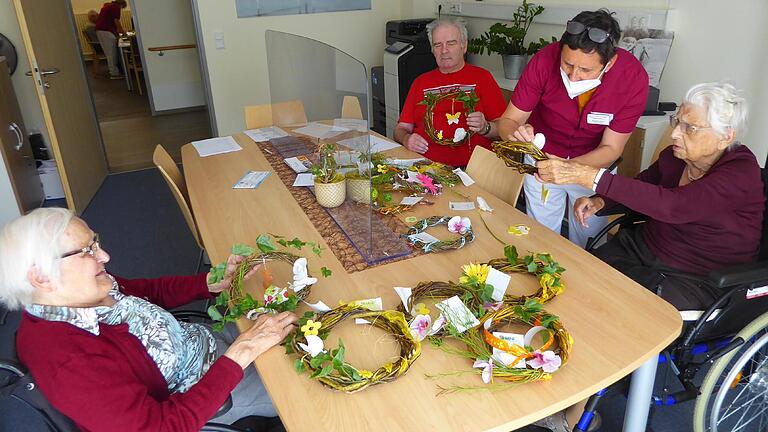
(726, 109)
(456, 22)
(33, 240)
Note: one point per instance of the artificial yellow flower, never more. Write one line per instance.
(421, 309)
(474, 274)
(388, 367)
(382, 168)
(311, 328)
(366, 373)
(439, 134)
(519, 229)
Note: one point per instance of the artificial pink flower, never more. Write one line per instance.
(487, 367)
(427, 182)
(548, 361)
(420, 326)
(458, 224)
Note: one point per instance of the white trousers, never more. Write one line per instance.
(108, 43)
(550, 214)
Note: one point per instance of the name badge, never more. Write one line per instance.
(599, 118)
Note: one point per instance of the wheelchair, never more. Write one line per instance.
(731, 335)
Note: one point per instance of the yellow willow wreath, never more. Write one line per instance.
(511, 153)
(329, 366)
(542, 265)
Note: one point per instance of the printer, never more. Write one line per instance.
(408, 55)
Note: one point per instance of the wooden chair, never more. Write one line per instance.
(97, 55)
(289, 113)
(493, 175)
(174, 178)
(350, 108)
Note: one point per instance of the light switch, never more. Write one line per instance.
(218, 38)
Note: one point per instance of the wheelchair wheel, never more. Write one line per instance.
(734, 394)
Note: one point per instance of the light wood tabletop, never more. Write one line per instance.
(616, 324)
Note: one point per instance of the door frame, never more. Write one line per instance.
(204, 73)
(144, 72)
(39, 89)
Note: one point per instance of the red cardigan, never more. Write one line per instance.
(109, 382)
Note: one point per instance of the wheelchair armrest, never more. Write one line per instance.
(742, 274)
(220, 427)
(183, 315)
(615, 210)
(13, 367)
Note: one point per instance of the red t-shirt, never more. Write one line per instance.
(540, 91)
(107, 16)
(491, 104)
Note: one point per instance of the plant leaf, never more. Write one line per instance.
(326, 271)
(264, 244)
(214, 313)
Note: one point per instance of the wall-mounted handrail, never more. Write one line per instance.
(171, 47)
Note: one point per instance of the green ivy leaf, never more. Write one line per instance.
(532, 267)
(511, 253)
(325, 371)
(264, 244)
(326, 271)
(319, 359)
(242, 249)
(214, 313)
(299, 365)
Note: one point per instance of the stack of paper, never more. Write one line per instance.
(214, 146)
(266, 133)
(319, 130)
(251, 180)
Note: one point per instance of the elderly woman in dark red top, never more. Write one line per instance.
(104, 351)
(704, 197)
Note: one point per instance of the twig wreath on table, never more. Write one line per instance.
(511, 152)
(420, 179)
(329, 366)
(512, 357)
(233, 303)
(542, 265)
(468, 99)
(462, 226)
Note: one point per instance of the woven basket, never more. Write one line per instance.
(331, 195)
(359, 190)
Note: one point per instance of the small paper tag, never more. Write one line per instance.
(318, 307)
(505, 357)
(459, 206)
(404, 293)
(304, 179)
(411, 177)
(251, 180)
(423, 237)
(599, 118)
(499, 281)
(457, 313)
(409, 200)
(298, 164)
(373, 304)
(465, 178)
(361, 321)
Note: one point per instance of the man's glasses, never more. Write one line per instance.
(595, 34)
(91, 249)
(686, 128)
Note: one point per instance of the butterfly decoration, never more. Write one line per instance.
(453, 118)
(301, 278)
(459, 134)
(314, 345)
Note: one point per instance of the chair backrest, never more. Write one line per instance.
(350, 108)
(289, 113)
(664, 142)
(493, 175)
(170, 172)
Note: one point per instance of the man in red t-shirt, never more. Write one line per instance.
(448, 37)
(585, 95)
(108, 28)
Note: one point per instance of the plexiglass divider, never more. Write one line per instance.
(313, 86)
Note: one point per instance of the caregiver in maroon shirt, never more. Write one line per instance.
(704, 197)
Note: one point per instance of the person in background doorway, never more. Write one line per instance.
(108, 28)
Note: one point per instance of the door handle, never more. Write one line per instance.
(50, 71)
(19, 137)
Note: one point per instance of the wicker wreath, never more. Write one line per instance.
(512, 151)
(431, 100)
(439, 246)
(547, 271)
(330, 368)
(439, 290)
(540, 363)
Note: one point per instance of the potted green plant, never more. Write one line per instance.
(330, 184)
(359, 180)
(508, 40)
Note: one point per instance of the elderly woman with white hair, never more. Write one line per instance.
(104, 351)
(703, 197)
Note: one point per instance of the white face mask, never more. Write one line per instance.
(576, 88)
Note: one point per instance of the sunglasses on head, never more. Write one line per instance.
(595, 34)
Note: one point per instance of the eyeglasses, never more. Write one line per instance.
(686, 128)
(595, 34)
(91, 249)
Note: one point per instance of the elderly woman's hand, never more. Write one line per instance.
(266, 332)
(562, 171)
(229, 273)
(586, 207)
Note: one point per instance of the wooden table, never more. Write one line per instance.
(617, 325)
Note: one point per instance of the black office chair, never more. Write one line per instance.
(731, 334)
(23, 408)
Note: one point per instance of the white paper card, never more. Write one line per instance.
(505, 357)
(457, 313)
(461, 205)
(265, 133)
(251, 180)
(423, 237)
(361, 321)
(500, 281)
(411, 177)
(465, 178)
(409, 200)
(404, 293)
(214, 146)
(374, 304)
(297, 165)
(304, 179)
(319, 306)
(381, 144)
(359, 125)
